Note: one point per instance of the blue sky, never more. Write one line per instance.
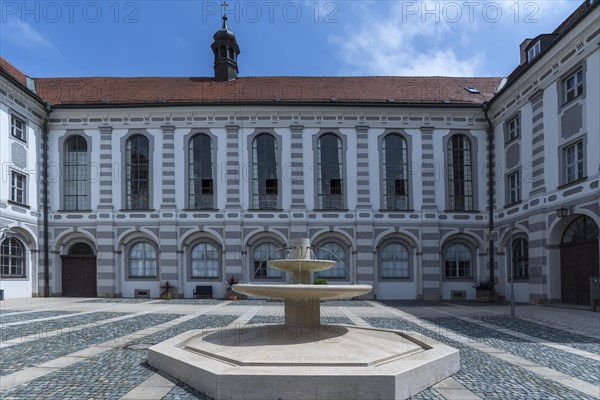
(317, 38)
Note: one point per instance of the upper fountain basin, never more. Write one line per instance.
(302, 265)
(302, 291)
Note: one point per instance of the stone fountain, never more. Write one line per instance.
(302, 300)
(303, 359)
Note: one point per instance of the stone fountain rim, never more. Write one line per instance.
(302, 291)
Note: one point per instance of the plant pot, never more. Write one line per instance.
(232, 297)
(484, 296)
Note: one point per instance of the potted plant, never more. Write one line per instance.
(232, 280)
(166, 291)
(320, 281)
(484, 291)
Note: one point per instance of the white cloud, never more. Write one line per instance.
(24, 35)
(394, 44)
(440, 38)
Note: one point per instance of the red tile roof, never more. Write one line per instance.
(13, 72)
(259, 90)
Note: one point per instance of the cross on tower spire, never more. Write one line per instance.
(224, 4)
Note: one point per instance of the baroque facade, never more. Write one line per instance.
(112, 186)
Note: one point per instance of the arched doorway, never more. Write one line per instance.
(578, 260)
(79, 272)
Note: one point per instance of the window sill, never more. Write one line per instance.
(519, 280)
(459, 280)
(513, 204)
(404, 279)
(510, 141)
(200, 209)
(142, 278)
(563, 105)
(18, 139)
(200, 279)
(16, 203)
(74, 211)
(572, 183)
(463, 211)
(331, 210)
(15, 277)
(130, 210)
(265, 209)
(395, 210)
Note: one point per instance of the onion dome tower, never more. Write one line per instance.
(226, 51)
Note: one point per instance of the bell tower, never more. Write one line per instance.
(226, 51)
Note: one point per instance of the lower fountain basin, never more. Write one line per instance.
(278, 362)
(302, 291)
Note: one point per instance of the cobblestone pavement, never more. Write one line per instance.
(61, 348)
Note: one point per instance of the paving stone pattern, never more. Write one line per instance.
(580, 342)
(487, 376)
(115, 372)
(7, 319)
(118, 300)
(569, 364)
(42, 328)
(18, 357)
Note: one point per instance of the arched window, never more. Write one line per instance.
(76, 181)
(330, 172)
(265, 182)
(395, 173)
(334, 252)
(458, 260)
(460, 173)
(142, 261)
(81, 249)
(394, 261)
(520, 258)
(581, 229)
(263, 253)
(138, 173)
(12, 258)
(205, 261)
(200, 173)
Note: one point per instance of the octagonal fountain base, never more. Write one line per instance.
(287, 362)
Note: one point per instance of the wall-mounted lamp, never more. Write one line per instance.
(562, 212)
(492, 236)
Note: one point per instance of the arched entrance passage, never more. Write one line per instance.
(79, 272)
(578, 260)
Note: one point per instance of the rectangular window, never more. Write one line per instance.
(17, 189)
(573, 161)
(534, 51)
(514, 128)
(513, 183)
(573, 86)
(17, 128)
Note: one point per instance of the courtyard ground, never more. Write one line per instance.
(67, 348)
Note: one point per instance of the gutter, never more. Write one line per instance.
(45, 200)
(491, 186)
(265, 103)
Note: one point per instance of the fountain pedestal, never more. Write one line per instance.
(303, 313)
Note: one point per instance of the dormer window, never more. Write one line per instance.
(534, 51)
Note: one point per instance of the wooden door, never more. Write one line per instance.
(79, 276)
